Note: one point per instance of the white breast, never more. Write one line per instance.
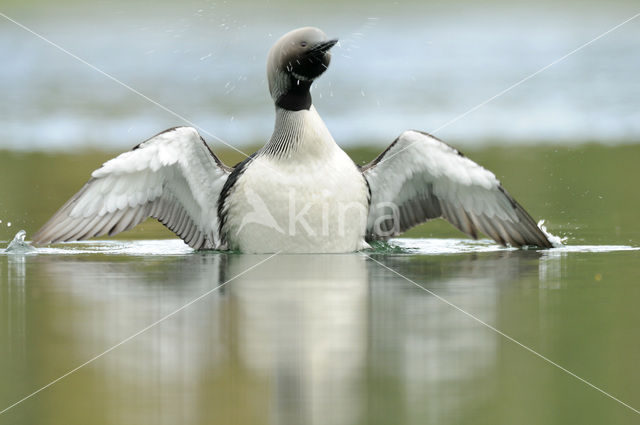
(311, 199)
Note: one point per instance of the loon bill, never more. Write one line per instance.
(300, 192)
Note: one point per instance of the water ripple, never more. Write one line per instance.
(175, 247)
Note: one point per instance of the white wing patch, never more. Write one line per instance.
(420, 178)
(173, 177)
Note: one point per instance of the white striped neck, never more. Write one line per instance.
(299, 134)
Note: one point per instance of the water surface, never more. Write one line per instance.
(328, 339)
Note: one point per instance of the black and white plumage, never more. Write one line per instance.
(173, 177)
(300, 192)
(430, 179)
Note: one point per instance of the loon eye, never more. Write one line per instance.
(303, 44)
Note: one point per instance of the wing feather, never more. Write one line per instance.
(173, 177)
(418, 178)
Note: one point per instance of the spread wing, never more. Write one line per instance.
(419, 178)
(173, 177)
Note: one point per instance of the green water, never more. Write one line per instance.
(586, 193)
(331, 339)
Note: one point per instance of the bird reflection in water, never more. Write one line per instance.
(298, 339)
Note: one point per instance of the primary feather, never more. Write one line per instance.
(173, 177)
(418, 178)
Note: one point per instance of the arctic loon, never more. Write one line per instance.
(300, 192)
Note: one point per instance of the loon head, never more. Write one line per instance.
(295, 60)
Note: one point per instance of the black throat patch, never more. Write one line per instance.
(297, 98)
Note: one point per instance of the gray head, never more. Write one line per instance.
(297, 58)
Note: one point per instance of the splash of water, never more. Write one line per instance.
(385, 247)
(18, 245)
(556, 241)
